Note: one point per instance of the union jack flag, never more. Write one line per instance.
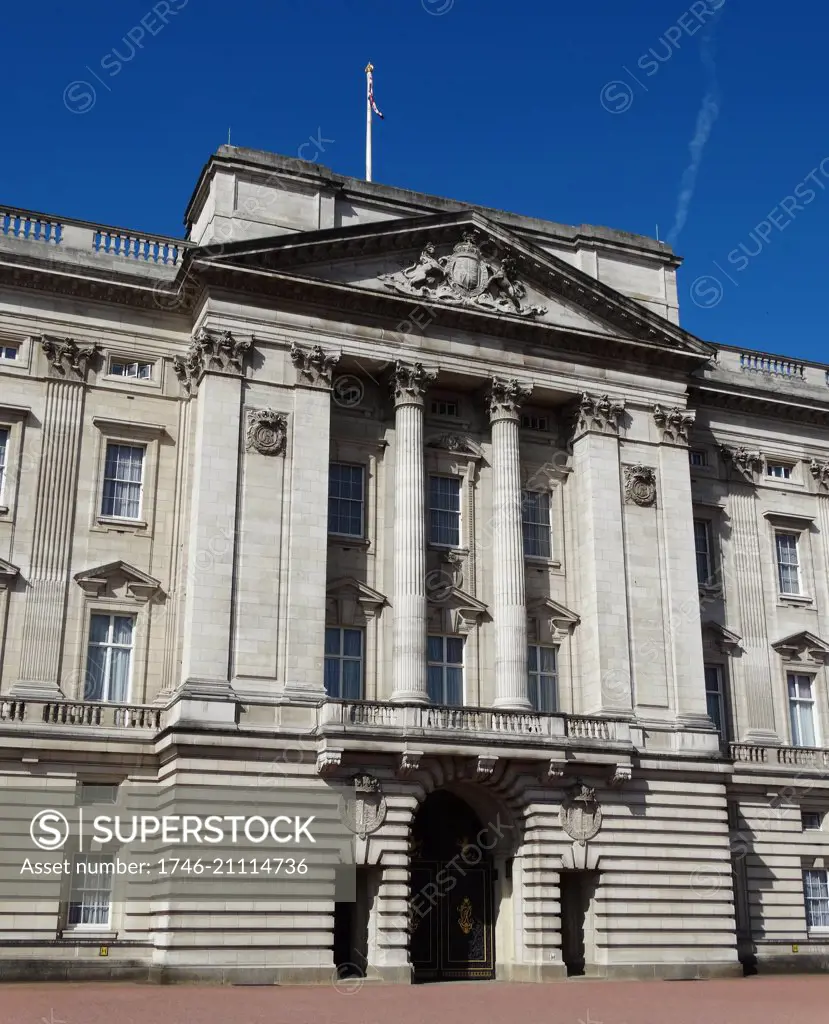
(374, 107)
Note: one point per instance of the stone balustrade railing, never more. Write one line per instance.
(801, 757)
(26, 226)
(469, 722)
(757, 362)
(82, 714)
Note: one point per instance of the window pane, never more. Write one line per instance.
(332, 641)
(95, 672)
(122, 629)
(345, 499)
(454, 650)
(444, 510)
(99, 629)
(548, 659)
(454, 687)
(712, 678)
(352, 680)
(435, 648)
(715, 711)
(435, 684)
(532, 658)
(535, 518)
(119, 675)
(353, 643)
(332, 677)
(816, 891)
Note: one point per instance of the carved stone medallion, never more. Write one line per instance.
(364, 810)
(581, 815)
(267, 432)
(640, 485)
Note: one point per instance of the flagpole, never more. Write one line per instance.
(369, 69)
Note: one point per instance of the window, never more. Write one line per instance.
(702, 546)
(9, 352)
(109, 658)
(445, 511)
(816, 892)
(535, 423)
(715, 698)
(543, 680)
(535, 520)
(4, 447)
(445, 654)
(123, 474)
(802, 710)
(811, 821)
(788, 570)
(90, 895)
(345, 499)
(143, 371)
(344, 663)
(779, 470)
(440, 407)
(697, 457)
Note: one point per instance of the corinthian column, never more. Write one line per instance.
(509, 597)
(409, 383)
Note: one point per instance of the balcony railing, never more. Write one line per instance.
(26, 226)
(772, 365)
(802, 757)
(83, 714)
(433, 720)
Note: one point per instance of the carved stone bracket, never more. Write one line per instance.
(505, 398)
(621, 774)
(745, 462)
(820, 471)
(314, 366)
(553, 771)
(329, 761)
(409, 382)
(640, 485)
(409, 762)
(485, 766)
(267, 432)
(598, 415)
(66, 358)
(675, 423)
(218, 352)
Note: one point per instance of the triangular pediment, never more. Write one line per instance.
(347, 586)
(561, 620)
(139, 585)
(8, 573)
(459, 264)
(726, 640)
(452, 610)
(803, 647)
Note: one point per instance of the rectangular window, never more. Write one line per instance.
(816, 892)
(344, 663)
(142, 371)
(702, 546)
(9, 352)
(543, 678)
(346, 490)
(4, 447)
(788, 569)
(802, 710)
(535, 520)
(123, 476)
(439, 407)
(811, 821)
(715, 698)
(445, 657)
(535, 423)
(779, 470)
(697, 457)
(109, 658)
(90, 897)
(445, 511)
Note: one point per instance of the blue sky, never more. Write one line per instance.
(579, 113)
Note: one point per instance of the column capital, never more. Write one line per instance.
(597, 414)
(409, 382)
(211, 352)
(675, 424)
(67, 359)
(314, 366)
(505, 398)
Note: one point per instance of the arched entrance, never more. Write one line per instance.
(452, 934)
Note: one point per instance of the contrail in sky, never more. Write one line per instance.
(708, 114)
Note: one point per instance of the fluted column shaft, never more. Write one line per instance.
(509, 593)
(409, 597)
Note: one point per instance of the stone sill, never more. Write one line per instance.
(534, 562)
(344, 541)
(96, 937)
(111, 522)
(794, 599)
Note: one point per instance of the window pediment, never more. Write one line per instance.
(561, 620)
(347, 595)
(725, 639)
(8, 574)
(453, 611)
(96, 582)
(803, 648)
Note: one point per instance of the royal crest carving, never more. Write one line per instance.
(675, 423)
(581, 815)
(314, 366)
(67, 358)
(640, 485)
(600, 414)
(459, 443)
(267, 432)
(364, 810)
(218, 352)
(505, 397)
(820, 471)
(465, 277)
(409, 381)
(746, 462)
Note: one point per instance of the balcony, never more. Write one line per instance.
(138, 719)
(776, 757)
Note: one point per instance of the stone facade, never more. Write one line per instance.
(341, 407)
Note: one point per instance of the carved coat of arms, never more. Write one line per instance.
(581, 815)
(363, 811)
(465, 277)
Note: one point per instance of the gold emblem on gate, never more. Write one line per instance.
(466, 921)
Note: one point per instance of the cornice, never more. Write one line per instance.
(801, 408)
